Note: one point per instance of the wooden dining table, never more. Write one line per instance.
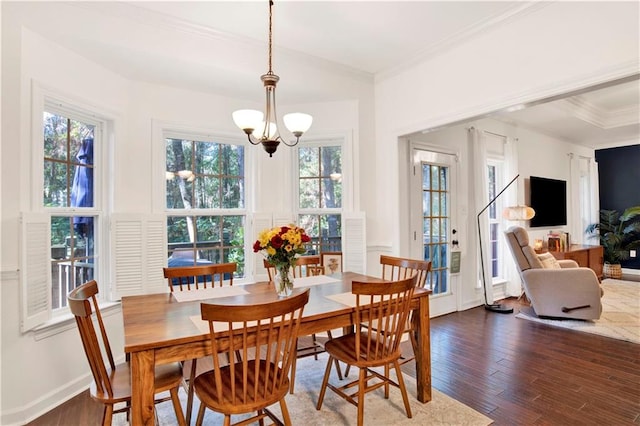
(158, 329)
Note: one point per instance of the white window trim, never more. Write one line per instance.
(161, 130)
(45, 98)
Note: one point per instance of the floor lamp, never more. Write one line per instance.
(511, 213)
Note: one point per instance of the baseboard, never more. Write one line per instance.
(27, 413)
(627, 271)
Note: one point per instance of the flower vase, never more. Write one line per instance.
(283, 280)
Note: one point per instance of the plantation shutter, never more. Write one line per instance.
(283, 219)
(35, 270)
(261, 221)
(354, 236)
(139, 252)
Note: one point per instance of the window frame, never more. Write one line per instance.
(346, 173)
(45, 99)
(499, 165)
(164, 131)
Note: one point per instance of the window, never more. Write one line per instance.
(494, 173)
(320, 195)
(68, 199)
(205, 202)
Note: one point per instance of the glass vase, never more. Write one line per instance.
(283, 280)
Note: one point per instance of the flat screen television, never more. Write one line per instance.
(549, 201)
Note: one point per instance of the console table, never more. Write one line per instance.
(586, 256)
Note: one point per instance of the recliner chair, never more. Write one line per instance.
(566, 292)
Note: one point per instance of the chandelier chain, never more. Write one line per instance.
(270, 34)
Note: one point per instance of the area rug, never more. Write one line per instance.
(620, 317)
(441, 410)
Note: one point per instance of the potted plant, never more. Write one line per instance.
(618, 234)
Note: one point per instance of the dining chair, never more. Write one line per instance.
(112, 382)
(308, 266)
(265, 334)
(388, 303)
(398, 268)
(193, 278)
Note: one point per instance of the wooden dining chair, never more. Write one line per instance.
(398, 268)
(266, 338)
(193, 278)
(306, 266)
(388, 303)
(112, 383)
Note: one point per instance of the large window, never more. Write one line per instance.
(68, 198)
(494, 173)
(320, 195)
(205, 201)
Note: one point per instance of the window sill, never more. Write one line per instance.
(62, 323)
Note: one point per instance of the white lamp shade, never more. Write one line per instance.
(247, 118)
(297, 122)
(260, 130)
(518, 213)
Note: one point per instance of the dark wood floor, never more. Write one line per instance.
(514, 371)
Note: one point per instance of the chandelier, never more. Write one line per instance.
(264, 130)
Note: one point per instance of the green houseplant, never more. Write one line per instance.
(618, 233)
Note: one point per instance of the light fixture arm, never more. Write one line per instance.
(491, 306)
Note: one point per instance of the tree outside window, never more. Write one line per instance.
(205, 192)
(68, 188)
(320, 196)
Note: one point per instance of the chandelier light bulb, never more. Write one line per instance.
(248, 119)
(297, 122)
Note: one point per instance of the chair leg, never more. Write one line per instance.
(285, 412)
(386, 383)
(175, 399)
(403, 389)
(200, 414)
(314, 341)
(294, 362)
(192, 376)
(107, 415)
(362, 384)
(325, 380)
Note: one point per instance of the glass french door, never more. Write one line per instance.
(433, 233)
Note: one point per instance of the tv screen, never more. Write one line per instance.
(549, 200)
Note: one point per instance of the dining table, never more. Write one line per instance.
(163, 328)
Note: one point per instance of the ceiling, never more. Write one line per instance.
(162, 42)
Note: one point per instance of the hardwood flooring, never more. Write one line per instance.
(516, 372)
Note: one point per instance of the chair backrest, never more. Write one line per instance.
(196, 277)
(265, 339)
(397, 268)
(307, 266)
(524, 255)
(332, 261)
(387, 305)
(271, 270)
(83, 304)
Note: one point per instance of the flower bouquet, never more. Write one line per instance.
(280, 246)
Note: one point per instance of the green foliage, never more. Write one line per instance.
(618, 233)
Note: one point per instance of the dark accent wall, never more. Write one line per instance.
(619, 180)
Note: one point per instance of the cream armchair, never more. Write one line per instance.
(557, 288)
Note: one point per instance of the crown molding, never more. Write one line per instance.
(580, 108)
(517, 11)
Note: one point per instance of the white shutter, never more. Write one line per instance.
(139, 254)
(35, 270)
(283, 219)
(260, 222)
(355, 248)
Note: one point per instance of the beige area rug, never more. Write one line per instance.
(441, 410)
(620, 317)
